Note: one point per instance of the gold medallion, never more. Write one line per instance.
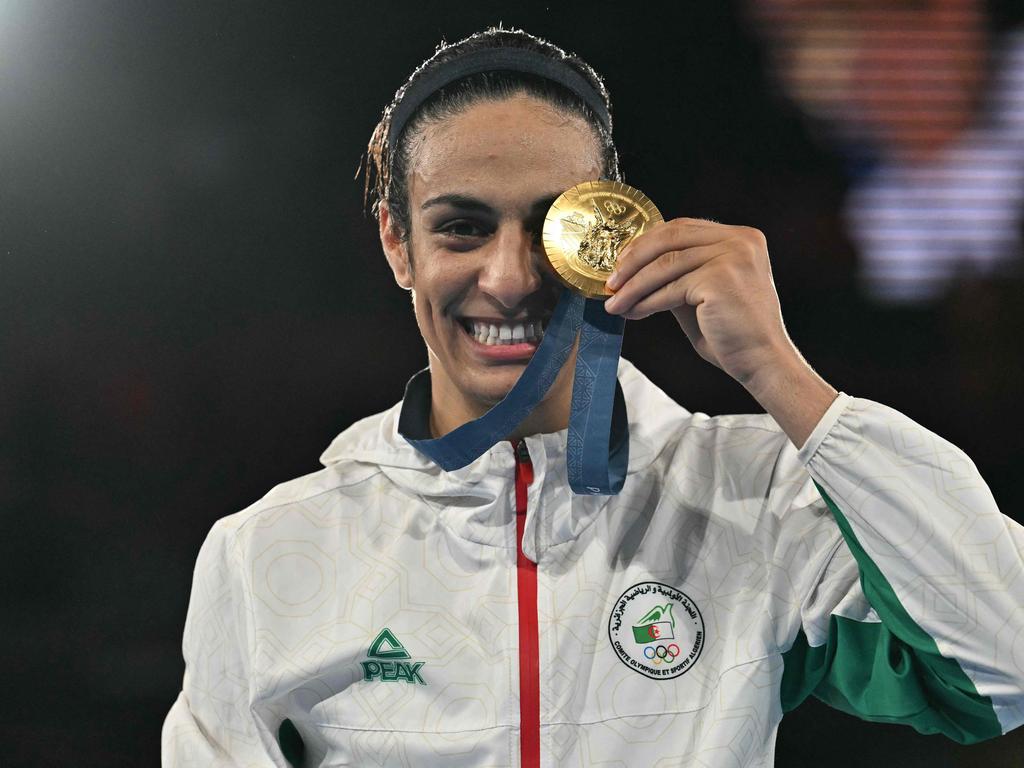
(588, 225)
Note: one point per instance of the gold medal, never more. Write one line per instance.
(587, 227)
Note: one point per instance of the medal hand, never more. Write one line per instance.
(716, 280)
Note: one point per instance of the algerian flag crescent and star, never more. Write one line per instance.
(656, 624)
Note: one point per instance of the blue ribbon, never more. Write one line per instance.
(592, 467)
(596, 459)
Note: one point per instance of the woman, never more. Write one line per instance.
(386, 611)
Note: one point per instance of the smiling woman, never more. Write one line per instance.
(395, 608)
(460, 178)
(479, 184)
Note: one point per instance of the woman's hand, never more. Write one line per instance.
(717, 281)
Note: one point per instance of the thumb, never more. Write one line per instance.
(686, 316)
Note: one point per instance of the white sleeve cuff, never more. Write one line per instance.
(824, 426)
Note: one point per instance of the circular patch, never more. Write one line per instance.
(656, 630)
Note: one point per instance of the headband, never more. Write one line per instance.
(495, 60)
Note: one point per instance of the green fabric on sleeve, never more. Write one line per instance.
(292, 746)
(888, 672)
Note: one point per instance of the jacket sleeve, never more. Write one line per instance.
(916, 614)
(212, 722)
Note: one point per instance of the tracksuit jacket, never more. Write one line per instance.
(384, 612)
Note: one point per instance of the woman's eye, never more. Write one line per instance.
(461, 228)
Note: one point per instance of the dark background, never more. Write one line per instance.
(192, 305)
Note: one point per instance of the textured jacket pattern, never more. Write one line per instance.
(870, 568)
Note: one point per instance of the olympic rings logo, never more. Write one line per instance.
(660, 653)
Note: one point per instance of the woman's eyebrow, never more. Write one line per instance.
(542, 205)
(458, 201)
(464, 202)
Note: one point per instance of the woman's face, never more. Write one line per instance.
(480, 184)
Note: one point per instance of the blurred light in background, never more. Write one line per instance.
(928, 110)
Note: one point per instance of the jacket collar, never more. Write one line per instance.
(477, 499)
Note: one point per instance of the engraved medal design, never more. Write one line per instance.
(587, 227)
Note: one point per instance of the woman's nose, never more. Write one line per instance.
(511, 271)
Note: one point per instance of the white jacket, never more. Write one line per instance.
(677, 620)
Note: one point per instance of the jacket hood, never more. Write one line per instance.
(477, 502)
(653, 419)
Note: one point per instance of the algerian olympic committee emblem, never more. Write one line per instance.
(656, 630)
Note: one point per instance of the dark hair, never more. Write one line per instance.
(386, 167)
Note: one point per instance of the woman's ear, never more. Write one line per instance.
(396, 250)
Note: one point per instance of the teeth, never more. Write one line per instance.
(502, 333)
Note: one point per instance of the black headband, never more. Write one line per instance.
(495, 60)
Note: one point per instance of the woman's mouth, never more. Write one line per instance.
(500, 342)
(490, 333)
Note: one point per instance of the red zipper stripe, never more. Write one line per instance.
(529, 644)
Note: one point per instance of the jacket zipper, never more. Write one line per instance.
(529, 643)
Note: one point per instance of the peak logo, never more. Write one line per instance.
(387, 661)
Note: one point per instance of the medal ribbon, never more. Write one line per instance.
(596, 463)
(593, 466)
